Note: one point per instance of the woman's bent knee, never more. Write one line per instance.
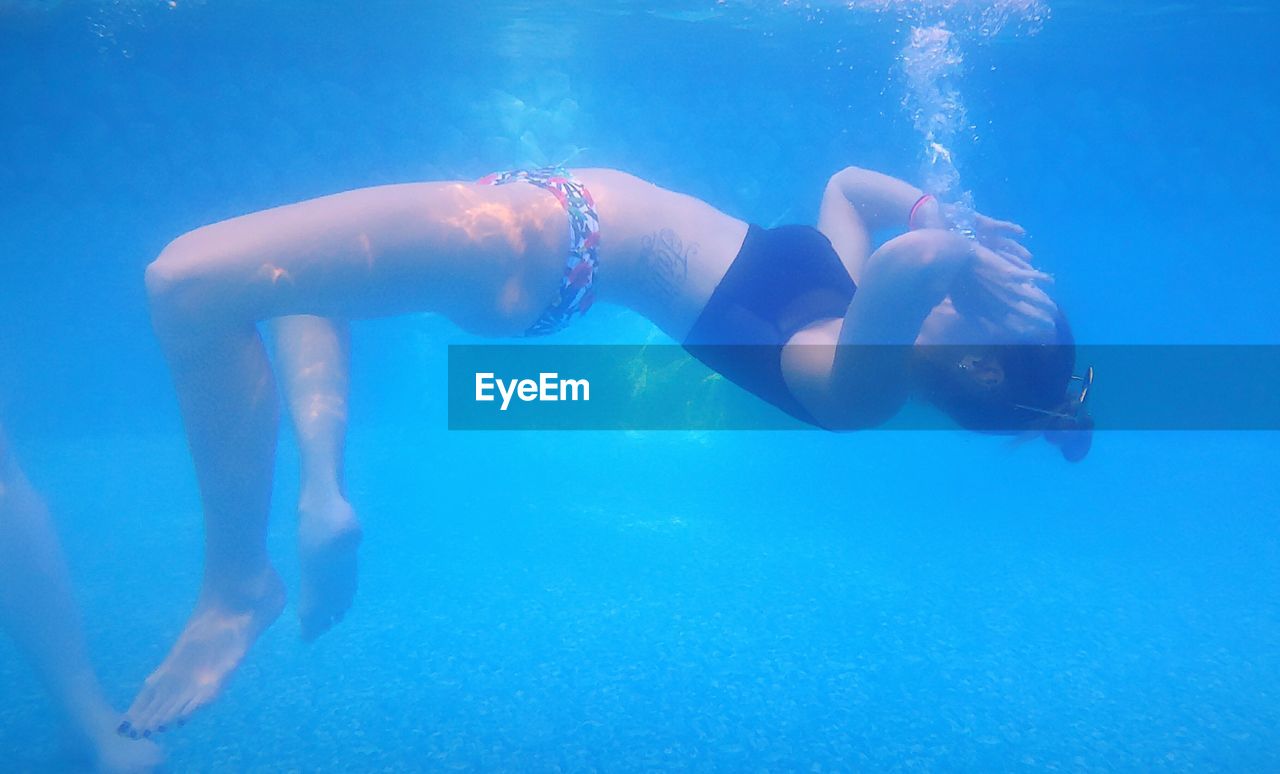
(165, 278)
(177, 285)
(162, 277)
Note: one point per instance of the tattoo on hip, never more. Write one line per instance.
(666, 259)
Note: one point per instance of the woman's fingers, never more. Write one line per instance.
(999, 227)
(1029, 294)
(1000, 296)
(1023, 300)
(1028, 319)
(1015, 259)
(1002, 287)
(1035, 297)
(1012, 247)
(1003, 265)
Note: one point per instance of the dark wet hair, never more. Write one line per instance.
(1031, 396)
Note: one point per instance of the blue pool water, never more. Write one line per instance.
(651, 601)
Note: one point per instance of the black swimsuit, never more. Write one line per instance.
(783, 280)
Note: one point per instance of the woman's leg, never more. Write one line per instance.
(38, 610)
(377, 251)
(228, 402)
(312, 361)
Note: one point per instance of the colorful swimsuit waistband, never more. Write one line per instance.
(577, 286)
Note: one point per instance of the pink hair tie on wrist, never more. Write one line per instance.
(911, 219)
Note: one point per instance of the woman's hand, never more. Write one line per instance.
(1000, 287)
(999, 235)
(1000, 284)
(990, 228)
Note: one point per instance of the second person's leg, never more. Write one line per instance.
(37, 608)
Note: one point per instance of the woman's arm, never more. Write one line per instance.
(858, 202)
(863, 381)
(852, 373)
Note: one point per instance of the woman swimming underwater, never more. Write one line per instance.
(495, 257)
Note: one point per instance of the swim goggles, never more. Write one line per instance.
(1077, 397)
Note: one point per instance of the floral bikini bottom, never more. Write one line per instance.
(577, 285)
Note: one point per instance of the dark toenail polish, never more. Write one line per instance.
(123, 727)
(147, 734)
(161, 729)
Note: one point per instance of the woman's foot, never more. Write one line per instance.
(217, 636)
(328, 537)
(105, 750)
